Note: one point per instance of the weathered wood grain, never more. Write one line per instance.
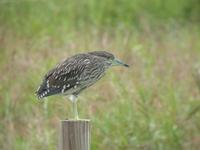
(74, 135)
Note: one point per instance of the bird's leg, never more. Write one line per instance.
(75, 110)
(74, 99)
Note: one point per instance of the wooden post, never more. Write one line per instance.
(74, 135)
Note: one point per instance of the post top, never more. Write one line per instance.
(74, 120)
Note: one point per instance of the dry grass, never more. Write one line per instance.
(144, 107)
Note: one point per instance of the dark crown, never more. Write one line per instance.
(103, 54)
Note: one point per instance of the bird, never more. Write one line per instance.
(75, 74)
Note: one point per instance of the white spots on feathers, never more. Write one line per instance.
(68, 67)
(86, 61)
(64, 63)
(63, 89)
(38, 88)
(59, 71)
(58, 66)
(56, 86)
(72, 78)
(47, 83)
(43, 94)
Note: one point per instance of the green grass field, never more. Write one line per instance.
(153, 105)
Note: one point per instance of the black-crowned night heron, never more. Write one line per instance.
(75, 74)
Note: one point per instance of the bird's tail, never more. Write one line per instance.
(40, 93)
(44, 91)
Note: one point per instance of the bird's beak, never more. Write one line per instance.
(117, 62)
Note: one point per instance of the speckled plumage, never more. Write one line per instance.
(75, 74)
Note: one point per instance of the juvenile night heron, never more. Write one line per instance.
(75, 74)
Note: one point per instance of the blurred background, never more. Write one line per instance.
(153, 105)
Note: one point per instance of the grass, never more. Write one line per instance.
(153, 105)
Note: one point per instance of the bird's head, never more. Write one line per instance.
(110, 58)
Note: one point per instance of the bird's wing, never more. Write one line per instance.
(63, 77)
